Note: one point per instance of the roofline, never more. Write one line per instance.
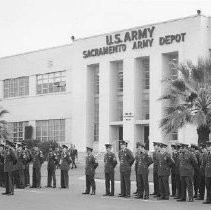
(35, 51)
(158, 23)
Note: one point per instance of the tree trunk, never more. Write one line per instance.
(203, 134)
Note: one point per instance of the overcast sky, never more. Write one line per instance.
(27, 25)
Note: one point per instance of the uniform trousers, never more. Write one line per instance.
(163, 186)
(109, 183)
(2, 182)
(201, 186)
(36, 177)
(21, 178)
(51, 176)
(196, 182)
(173, 183)
(9, 182)
(64, 179)
(186, 183)
(208, 187)
(90, 183)
(156, 183)
(125, 183)
(178, 185)
(27, 175)
(143, 184)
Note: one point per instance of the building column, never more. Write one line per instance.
(129, 101)
(104, 105)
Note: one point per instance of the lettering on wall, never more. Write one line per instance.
(140, 38)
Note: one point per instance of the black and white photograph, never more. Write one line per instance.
(105, 104)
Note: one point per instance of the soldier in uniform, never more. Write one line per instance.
(202, 172)
(110, 164)
(173, 171)
(65, 162)
(51, 167)
(9, 161)
(165, 162)
(74, 155)
(2, 165)
(136, 166)
(126, 161)
(155, 168)
(37, 160)
(28, 155)
(91, 165)
(144, 161)
(207, 160)
(187, 164)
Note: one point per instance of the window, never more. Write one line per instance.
(146, 73)
(119, 66)
(16, 87)
(173, 61)
(50, 130)
(145, 109)
(174, 135)
(96, 80)
(16, 130)
(51, 82)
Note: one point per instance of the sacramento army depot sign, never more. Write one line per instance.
(140, 38)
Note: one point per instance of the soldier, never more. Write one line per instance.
(51, 167)
(186, 166)
(2, 165)
(136, 166)
(74, 155)
(202, 172)
(173, 171)
(207, 160)
(110, 164)
(126, 161)
(195, 150)
(144, 161)
(28, 155)
(155, 169)
(91, 165)
(37, 160)
(65, 162)
(9, 161)
(165, 162)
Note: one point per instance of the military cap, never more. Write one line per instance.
(194, 146)
(183, 145)
(141, 144)
(208, 143)
(155, 143)
(108, 145)
(162, 145)
(123, 142)
(174, 146)
(89, 149)
(64, 146)
(202, 145)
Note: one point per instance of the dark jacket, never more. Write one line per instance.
(65, 161)
(52, 160)
(207, 164)
(9, 161)
(37, 159)
(144, 161)
(90, 165)
(110, 162)
(126, 159)
(155, 161)
(165, 162)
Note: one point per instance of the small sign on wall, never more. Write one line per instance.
(128, 116)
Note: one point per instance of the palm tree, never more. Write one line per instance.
(189, 99)
(3, 124)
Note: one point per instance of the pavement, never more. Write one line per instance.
(72, 198)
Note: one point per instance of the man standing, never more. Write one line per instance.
(165, 162)
(9, 161)
(65, 162)
(2, 183)
(208, 173)
(28, 155)
(126, 161)
(144, 161)
(74, 155)
(155, 168)
(91, 165)
(187, 164)
(136, 167)
(51, 167)
(110, 164)
(37, 159)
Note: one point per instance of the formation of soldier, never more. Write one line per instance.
(189, 168)
(14, 166)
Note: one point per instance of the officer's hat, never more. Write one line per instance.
(162, 145)
(202, 145)
(194, 146)
(184, 145)
(124, 142)
(89, 149)
(108, 145)
(155, 143)
(64, 146)
(208, 143)
(174, 146)
(141, 144)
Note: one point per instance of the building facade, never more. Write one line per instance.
(103, 88)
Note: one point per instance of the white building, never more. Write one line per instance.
(102, 88)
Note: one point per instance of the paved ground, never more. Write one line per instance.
(62, 199)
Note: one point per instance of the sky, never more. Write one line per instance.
(27, 25)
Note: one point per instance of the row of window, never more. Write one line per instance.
(45, 83)
(45, 130)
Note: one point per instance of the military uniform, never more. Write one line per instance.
(26, 167)
(9, 161)
(155, 173)
(136, 167)
(126, 161)
(144, 161)
(177, 173)
(208, 176)
(73, 154)
(110, 163)
(65, 162)
(37, 160)
(2, 183)
(173, 175)
(186, 167)
(164, 164)
(51, 167)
